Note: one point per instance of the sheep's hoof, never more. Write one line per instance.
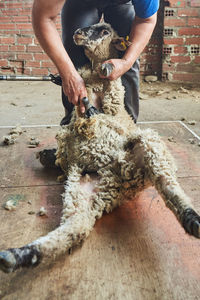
(47, 158)
(7, 261)
(106, 69)
(191, 222)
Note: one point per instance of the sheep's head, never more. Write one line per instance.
(100, 41)
(94, 35)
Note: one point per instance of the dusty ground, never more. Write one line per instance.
(40, 103)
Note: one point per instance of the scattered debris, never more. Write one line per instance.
(171, 139)
(29, 202)
(42, 211)
(9, 139)
(192, 141)
(33, 143)
(183, 90)
(16, 130)
(28, 105)
(14, 104)
(150, 78)
(143, 96)
(161, 92)
(31, 212)
(192, 122)
(13, 201)
(11, 204)
(12, 136)
(48, 126)
(169, 98)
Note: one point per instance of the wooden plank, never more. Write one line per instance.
(138, 252)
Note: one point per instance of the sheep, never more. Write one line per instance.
(114, 157)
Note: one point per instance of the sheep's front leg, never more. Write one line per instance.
(79, 216)
(160, 169)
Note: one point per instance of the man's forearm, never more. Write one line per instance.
(141, 32)
(49, 38)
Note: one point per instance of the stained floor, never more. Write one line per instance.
(138, 252)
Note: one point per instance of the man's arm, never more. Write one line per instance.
(44, 14)
(141, 32)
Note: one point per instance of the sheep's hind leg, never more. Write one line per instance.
(160, 168)
(79, 216)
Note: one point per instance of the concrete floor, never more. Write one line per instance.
(139, 251)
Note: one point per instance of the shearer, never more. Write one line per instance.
(135, 19)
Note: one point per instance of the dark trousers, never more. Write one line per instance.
(82, 13)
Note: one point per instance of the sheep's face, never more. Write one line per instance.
(94, 35)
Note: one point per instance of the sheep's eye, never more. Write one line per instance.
(105, 32)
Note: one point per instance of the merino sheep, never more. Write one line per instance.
(124, 158)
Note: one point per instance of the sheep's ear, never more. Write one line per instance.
(121, 43)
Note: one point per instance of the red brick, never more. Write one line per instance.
(47, 64)
(186, 77)
(16, 64)
(38, 71)
(168, 67)
(174, 41)
(27, 32)
(33, 63)
(194, 21)
(185, 68)
(19, 70)
(9, 56)
(13, 5)
(25, 56)
(195, 3)
(5, 32)
(41, 56)
(4, 19)
(175, 3)
(35, 49)
(180, 50)
(3, 63)
(24, 40)
(7, 26)
(24, 26)
(174, 22)
(3, 48)
(53, 70)
(180, 59)
(188, 12)
(192, 40)
(27, 71)
(20, 19)
(189, 31)
(197, 59)
(15, 48)
(7, 40)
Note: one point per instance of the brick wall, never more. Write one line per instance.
(174, 56)
(20, 52)
(181, 47)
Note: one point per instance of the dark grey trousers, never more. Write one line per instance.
(82, 13)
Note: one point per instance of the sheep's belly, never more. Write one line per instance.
(101, 151)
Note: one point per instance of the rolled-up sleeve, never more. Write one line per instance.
(145, 8)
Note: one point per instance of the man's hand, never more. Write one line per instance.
(120, 66)
(74, 88)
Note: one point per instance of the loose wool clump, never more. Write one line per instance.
(122, 158)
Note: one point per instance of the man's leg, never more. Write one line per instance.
(75, 14)
(121, 16)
